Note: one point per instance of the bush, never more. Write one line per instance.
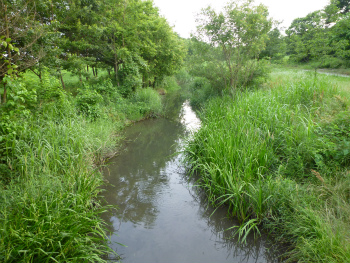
(19, 102)
(169, 84)
(201, 91)
(130, 78)
(87, 102)
(332, 62)
(184, 79)
(148, 101)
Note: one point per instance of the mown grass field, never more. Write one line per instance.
(279, 158)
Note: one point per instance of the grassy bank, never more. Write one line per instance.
(50, 146)
(311, 67)
(278, 157)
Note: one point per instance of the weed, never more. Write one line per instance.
(276, 156)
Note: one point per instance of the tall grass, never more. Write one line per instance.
(49, 176)
(48, 212)
(268, 156)
(148, 102)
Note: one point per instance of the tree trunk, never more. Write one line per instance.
(63, 85)
(87, 71)
(4, 95)
(154, 82)
(116, 72)
(8, 51)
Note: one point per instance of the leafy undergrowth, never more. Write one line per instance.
(278, 157)
(50, 145)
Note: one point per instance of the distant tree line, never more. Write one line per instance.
(322, 38)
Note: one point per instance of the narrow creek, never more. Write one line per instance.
(162, 217)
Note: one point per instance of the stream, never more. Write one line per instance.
(162, 217)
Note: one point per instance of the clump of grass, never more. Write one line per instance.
(48, 212)
(144, 103)
(270, 156)
(149, 100)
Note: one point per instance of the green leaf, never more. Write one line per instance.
(10, 71)
(8, 40)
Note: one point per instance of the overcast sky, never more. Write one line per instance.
(181, 13)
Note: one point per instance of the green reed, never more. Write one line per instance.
(49, 212)
(264, 154)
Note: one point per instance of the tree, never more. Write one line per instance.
(20, 30)
(343, 5)
(240, 32)
(340, 38)
(164, 51)
(307, 37)
(207, 61)
(275, 45)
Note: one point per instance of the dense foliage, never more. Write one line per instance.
(227, 44)
(127, 36)
(320, 38)
(50, 145)
(72, 74)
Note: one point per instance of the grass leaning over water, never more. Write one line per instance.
(49, 180)
(278, 157)
(47, 212)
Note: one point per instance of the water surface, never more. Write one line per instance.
(162, 218)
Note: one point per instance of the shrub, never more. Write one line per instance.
(148, 101)
(87, 102)
(201, 91)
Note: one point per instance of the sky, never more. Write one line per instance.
(181, 13)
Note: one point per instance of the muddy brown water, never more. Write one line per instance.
(162, 216)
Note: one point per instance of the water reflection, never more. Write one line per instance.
(161, 217)
(189, 118)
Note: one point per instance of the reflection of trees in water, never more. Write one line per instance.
(219, 224)
(137, 177)
(140, 178)
(172, 106)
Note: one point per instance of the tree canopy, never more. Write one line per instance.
(127, 36)
(240, 32)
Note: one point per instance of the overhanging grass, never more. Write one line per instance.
(268, 155)
(49, 179)
(48, 212)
